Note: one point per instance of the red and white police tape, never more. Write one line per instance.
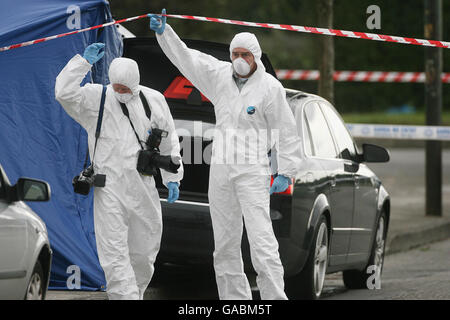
(360, 76)
(57, 36)
(323, 31)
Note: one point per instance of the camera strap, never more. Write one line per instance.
(145, 104)
(147, 113)
(99, 126)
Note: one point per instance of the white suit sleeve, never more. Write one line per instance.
(199, 68)
(287, 142)
(170, 146)
(81, 103)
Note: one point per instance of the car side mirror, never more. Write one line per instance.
(374, 153)
(345, 154)
(27, 189)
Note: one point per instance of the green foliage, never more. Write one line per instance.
(291, 50)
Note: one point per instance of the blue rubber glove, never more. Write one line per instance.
(92, 53)
(280, 184)
(174, 192)
(158, 22)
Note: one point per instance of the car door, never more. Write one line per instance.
(364, 212)
(360, 229)
(364, 215)
(340, 180)
(13, 237)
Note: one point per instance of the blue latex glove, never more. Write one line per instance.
(174, 192)
(280, 184)
(92, 53)
(158, 22)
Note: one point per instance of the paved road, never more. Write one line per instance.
(422, 273)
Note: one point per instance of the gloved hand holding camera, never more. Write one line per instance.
(150, 160)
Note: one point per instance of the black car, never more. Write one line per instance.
(334, 217)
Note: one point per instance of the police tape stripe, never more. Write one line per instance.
(402, 132)
(57, 36)
(323, 31)
(359, 76)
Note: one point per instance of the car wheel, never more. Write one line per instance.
(35, 288)
(355, 279)
(308, 284)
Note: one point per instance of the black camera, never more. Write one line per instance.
(87, 179)
(150, 160)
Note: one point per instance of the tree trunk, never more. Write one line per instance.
(433, 102)
(326, 46)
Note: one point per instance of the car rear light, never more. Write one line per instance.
(288, 191)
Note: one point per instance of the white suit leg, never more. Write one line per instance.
(144, 236)
(111, 230)
(254, 199)
(232, 283)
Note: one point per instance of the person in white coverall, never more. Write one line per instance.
(248, 102)
(127, 211)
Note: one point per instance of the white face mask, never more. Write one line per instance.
(241, 67)
(123, 97)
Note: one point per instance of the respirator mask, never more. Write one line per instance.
(241, 67)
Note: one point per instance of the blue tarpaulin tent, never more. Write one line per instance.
(37, 137)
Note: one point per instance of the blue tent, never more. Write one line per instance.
(37, 137)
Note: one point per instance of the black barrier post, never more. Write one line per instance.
(433, 101)
(326, 63)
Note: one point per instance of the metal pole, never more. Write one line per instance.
(433, 102)
(326, 47)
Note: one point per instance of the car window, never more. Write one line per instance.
(322, 141)
(307, 139)
(302, 126)
(344, 140)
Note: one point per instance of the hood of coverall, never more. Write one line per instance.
(125, 71)
(248, 41)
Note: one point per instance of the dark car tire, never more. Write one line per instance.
(358, 279)
(308, 284)
(35, 287)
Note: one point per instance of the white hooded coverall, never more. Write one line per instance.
(127, 211)
(240, 190)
